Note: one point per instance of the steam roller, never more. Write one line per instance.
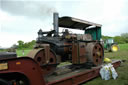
(82, 50)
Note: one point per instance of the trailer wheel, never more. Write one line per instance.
(4, 82)
(22, 81)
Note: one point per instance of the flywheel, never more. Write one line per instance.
(95, 53)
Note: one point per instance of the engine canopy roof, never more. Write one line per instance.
(74, 23)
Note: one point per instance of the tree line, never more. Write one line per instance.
(122, 39)
(25, 45)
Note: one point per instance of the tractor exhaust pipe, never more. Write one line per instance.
(55, 23)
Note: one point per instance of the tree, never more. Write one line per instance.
(119, 40)
(106, 37)
(20, 44)
(14, 46)
(26, 45)
(125, 37)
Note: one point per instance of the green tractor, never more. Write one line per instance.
(110, 45)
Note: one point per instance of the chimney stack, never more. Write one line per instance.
(55, 23)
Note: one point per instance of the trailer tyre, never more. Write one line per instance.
(4, 82)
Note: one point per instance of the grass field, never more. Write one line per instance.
(122, 71)
(20, 52)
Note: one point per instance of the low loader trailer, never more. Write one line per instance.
(84, 52)
(25, 71)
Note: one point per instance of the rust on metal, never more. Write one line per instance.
(95, 53)
(78, 53)
(45, 58)
(27, 67)
(32, 71)
(78, 76)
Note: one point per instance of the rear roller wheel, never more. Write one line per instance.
(95, 53)
(38, 55)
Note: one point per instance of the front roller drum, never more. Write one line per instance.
(95, 53)
(49, 64)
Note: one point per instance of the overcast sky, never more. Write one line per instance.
(21, 19)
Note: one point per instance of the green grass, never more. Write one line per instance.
(121, 80)
(20, 52)
(123, 47)
(122, 71)
(121, 54)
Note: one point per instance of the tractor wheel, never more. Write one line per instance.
(114, 48)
